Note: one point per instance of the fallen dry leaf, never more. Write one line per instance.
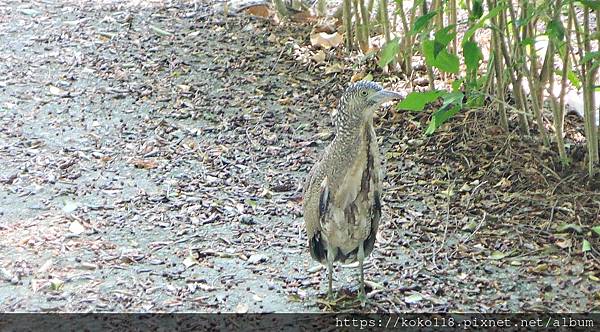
(319, 57)
(327, 27)
(326, 40)
(76, 228)
(57, 91)
(358, 76)
(259, 10)
(46, 266)
(334, 68)
(189, 261)
(503, 183)
(303, 17)
(241, 308)
(144, 163)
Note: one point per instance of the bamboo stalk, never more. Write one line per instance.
(452, 21)
(536, 84)
(339, 11)
(439, 25)
(407, 41)
(499, 68)
(365, 24)
(440, 16)
(595, 112)
(405, 63)
(424, 11)
(588, 80)
(358, 26)
(281, 8)
(347, 12)
(558, 107)
(321, 7)
(591, 107)
(370, 6)
(383, 7)
(520, 55)
(385, 23)
(516, 79)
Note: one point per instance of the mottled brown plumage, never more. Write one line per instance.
(342, 192)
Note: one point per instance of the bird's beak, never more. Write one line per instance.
(383, 96)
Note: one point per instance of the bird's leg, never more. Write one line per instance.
(331, 253)
(360, 256)
(329, 280)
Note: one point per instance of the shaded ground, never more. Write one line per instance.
(152, 157)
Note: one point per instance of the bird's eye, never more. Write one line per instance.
(364, 93)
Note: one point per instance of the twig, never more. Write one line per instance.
(476, 228)
(277, 61)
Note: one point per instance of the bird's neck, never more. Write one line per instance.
(346, 147)
(352, 131)
(349, 139)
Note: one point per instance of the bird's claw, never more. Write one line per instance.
(362, 297)
(331, 300)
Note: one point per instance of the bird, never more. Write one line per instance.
(342, 191)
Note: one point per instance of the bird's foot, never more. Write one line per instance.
(331, 300)
(362, 297)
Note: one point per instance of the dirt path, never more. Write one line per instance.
(151, 160)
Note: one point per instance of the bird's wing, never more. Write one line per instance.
(316, 207)
(375, 215)
(323, 199)
(374, 180)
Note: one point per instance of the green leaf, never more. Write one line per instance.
(452, 105)
(447, 62)
(569, 228)
(438, 118)
(456, 84)
(388, 52)
(556, 30)
(593, 4)
(469, 33)
(250, 203)
(596, 229)
(496, 255)
(594, 35)
(590, 56)
(29, 11)
(159, 31)
(56, 284)
(414, 298)
(446, 35)
(472, 54)
(437, 56)
(416, 101)
(422, 21)
(528, 41)
(477, 10)
(453, 98)
(437, 48)
(586, 246)
(428, 52)
(573, 78)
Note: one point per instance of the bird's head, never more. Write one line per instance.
(360, 100)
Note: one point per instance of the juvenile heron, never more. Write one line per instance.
(342, 192)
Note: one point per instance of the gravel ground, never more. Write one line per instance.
(152, 155)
